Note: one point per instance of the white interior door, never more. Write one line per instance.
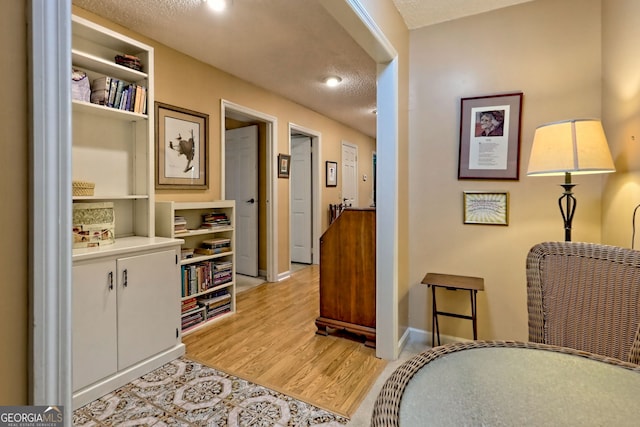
(350, 174)
(241, 185)
(301, 205)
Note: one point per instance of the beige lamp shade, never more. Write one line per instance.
(576, 146)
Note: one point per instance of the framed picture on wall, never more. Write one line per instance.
(483, 207)
(284, 163)
(490, 137)
(331, 174)
(181, 148)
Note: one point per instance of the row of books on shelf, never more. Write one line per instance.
(204, 275)
(115, 93)
(198, 309)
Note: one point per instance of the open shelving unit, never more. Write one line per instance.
(113, 148)
(207, 279)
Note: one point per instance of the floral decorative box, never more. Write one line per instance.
(93, 224)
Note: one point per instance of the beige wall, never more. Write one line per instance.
(621, 118)
(14, 188)
(549, 50)
(183, 81)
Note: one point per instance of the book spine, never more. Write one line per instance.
(113, 89)
(118, 95)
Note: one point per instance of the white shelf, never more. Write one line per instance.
(107, 112)
(111, 197)
(96, 64)
(201, 231)
(208, 291)
(199, 258)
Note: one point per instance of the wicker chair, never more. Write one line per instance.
(585, 296)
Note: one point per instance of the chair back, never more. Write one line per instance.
(585, 296)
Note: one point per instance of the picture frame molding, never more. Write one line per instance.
(486, 207)
(495, 156)
(182, 116)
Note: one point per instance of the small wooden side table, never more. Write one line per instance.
(453, 283)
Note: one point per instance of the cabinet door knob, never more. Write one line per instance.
(110, 275)
(124, 276)
(251, 200)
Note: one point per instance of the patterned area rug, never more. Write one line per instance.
(186, 393)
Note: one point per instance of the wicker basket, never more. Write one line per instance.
(83, 188)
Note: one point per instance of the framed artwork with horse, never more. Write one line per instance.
(181, 148)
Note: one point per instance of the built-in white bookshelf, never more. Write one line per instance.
(126, 319)
(113, 148)
(208, 280)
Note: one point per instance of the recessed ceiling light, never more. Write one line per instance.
(217, 5)
(332, 81)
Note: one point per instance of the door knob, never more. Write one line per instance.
(251, 200)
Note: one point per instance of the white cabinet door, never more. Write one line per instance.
(94, 322)
(148, 305)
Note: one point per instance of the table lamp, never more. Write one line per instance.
(576, 146)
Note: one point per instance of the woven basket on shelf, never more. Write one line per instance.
(83, 188)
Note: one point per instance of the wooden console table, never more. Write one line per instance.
(453, 283)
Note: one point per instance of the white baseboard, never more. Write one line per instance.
(404, 339)
(120, 378)
(422, 336)
(284, 275)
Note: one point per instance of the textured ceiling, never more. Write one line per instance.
(420, 13)
(285, 46)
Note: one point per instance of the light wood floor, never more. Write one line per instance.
(271, 341)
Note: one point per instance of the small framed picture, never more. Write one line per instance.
(491, 208)
(284, 163)
(331, 174)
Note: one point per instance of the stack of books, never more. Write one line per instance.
(179, 225)
(129, 61)
(214, 246)
(222, 272)
(186, 253)
(192, 319)
(215, 220)
(189, 304)
(216, 303)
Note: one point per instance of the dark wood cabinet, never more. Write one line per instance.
(348, 275)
